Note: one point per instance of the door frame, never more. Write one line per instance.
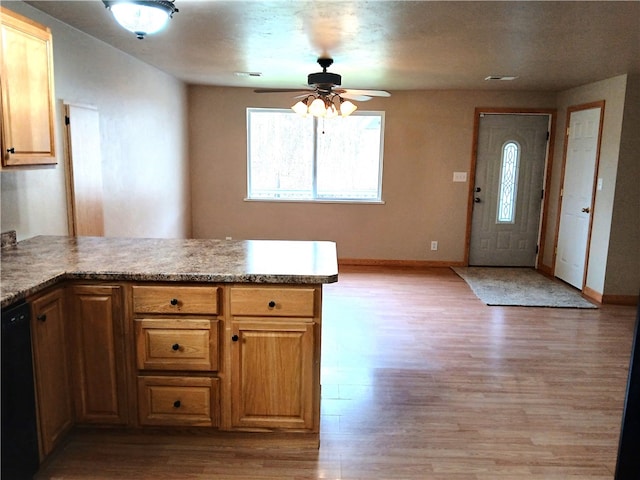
(70, 177)
(551, 112)
(571, 109)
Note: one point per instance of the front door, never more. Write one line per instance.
(581, 160)
(510, 161)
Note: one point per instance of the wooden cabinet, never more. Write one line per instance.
(238, 357)
(175, 299)
(26, 84)
(177, 344)
(99, 367)
(275, 357)
(177, 354)
(50, 350)
(180, 401)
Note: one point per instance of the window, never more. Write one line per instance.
(309, 159)
(508, 182)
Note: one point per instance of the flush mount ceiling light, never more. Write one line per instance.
(141, 17)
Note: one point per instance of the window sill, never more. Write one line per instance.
(287, 200)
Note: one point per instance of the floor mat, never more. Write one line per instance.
(520, 287)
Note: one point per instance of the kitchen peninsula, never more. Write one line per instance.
(212, 335)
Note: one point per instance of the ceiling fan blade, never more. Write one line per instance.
(357, 98)
(369, 93)
(281, 90)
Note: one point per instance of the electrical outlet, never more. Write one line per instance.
(434, 245)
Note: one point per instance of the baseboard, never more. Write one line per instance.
(592, 294)
(620, 299)
(375, 262)
(610, 299)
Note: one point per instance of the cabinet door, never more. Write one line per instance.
(272, 374)
(55, 413)
(27, 92)
(99, 355)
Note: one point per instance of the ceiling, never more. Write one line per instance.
(391, 45)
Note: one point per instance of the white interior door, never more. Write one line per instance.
(84, 171)
(577, 195)
(509, 176)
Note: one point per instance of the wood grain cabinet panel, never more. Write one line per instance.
(99, 354)
(178, 401)
(177, 344)
(273, 381)
(175, 299)
(52, 377)
(177, 340)
(275, 357)
(26, 84)
(273, 301)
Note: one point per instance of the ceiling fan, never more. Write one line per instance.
(322, 98)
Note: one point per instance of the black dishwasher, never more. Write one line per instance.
(20, 459)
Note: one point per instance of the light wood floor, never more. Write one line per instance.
(420, 380)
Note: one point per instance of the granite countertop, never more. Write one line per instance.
(34, 264)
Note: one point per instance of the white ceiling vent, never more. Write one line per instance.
(247, 74)
(500, 77)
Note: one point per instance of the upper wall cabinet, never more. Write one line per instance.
(26, 81)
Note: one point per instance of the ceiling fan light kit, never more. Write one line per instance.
(323, 99)
(325, 106)
(141, 17)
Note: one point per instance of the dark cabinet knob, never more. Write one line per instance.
(478, 189)
(176, 404)
(174, 301)
(477, 200)
(175, 346)
(11, 150)
(235, 338)
(42, 318)
(272, 304)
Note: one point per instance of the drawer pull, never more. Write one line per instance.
(272, 304)
(42, 318)
(175, 346)
(235, 338)
(174, 301)
(176, 404)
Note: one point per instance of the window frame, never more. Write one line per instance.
(317, 125)
(516, 178)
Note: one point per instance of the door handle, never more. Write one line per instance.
(586, 210)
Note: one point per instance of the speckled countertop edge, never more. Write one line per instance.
(40, 262)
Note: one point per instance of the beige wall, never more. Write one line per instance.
(622, 275)
(143, 143)
(147, 118)
(428, 136)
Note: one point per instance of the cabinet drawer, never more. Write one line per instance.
(181, 401)
(273, 302)
(170, 299)
(177, 344)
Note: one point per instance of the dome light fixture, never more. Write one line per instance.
(324, 105)
(142, 17)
